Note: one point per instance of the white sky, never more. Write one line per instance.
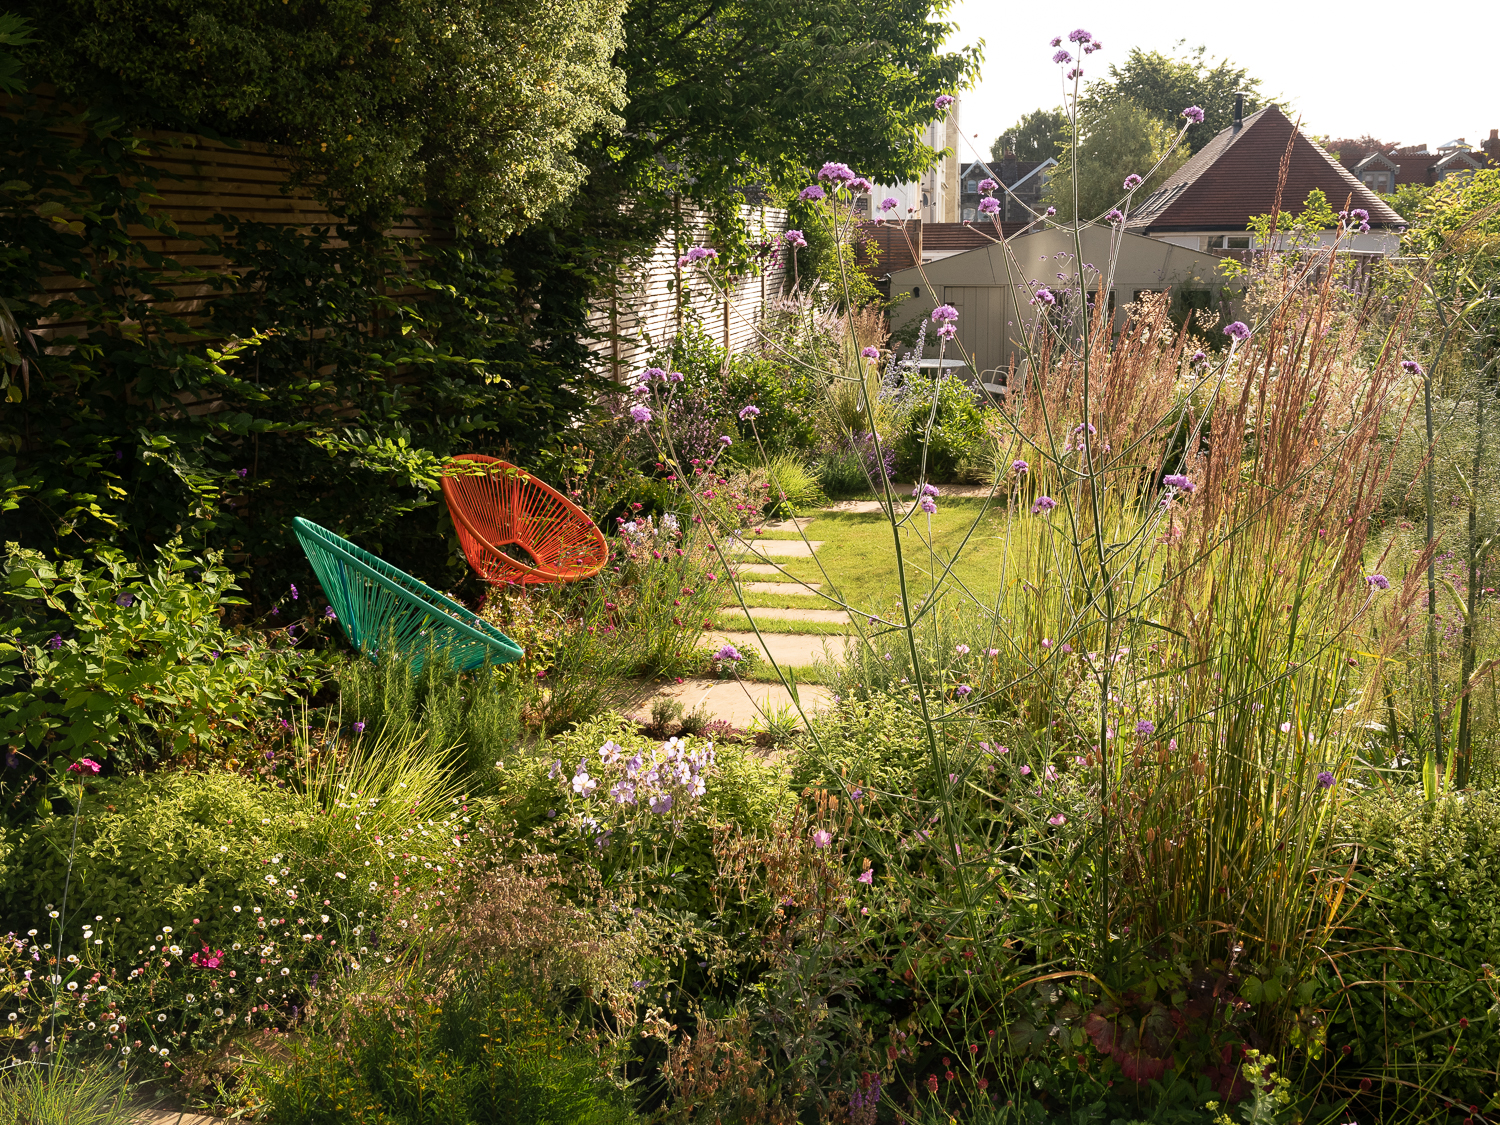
(1402, 72)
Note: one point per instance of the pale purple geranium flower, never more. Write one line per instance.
(1239, 330)
(640, 413)
(822, 838)
(944, 101)
(811, 193)
(944, 313)
(1043, 504)
(1378, 582)
(1132, 182)
(1057, 821)
(867, 877)
(962, 650)
(359, 727)
(1193, 114)
(749, 412)
(85, 765)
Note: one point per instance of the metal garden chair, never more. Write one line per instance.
(380, 605)
(515, 530)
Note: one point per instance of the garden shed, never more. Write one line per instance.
(991, 288)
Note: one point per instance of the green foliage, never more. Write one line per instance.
(14, 32)
(793, 488)
(942, 430)
(134, 667)
(357, 366)
(473, 715)
(1117, 138)
(486, 1053)
(472, 106)
(784, 394)
(1407, 200)
(1038, 135)
(39, 1093)
(1299, 228)
(1164, 86)
(1415, 972)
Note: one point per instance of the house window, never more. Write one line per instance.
(972, 186)
(1229, 242)
(968, 214)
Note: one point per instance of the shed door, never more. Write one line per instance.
(982, 313)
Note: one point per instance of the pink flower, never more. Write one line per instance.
(822, 838)
(1057, 821)
(944, 101)
(85, 765)
(868, 878)
(870, 353)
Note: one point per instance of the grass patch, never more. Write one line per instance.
(732, 621)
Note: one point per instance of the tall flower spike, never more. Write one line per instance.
(1238, 331)
(1193, 114)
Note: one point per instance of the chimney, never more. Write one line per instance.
(1239, 111)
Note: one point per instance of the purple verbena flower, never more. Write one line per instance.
(989, 205)
(1179, 481)
(927, 504)
(962, 690)
(987, 185)
(1325, 780)
(1378, 582)
(869, 353)
(359, 727)
(729, 654)
(859, 183)
(1115, 215)
(295, 595)
(1043, 504)
(1044, 297)
(1079, 36)
(641, 413)
(1056, 42)
(1239, 330)
(1062, 58)
(944, 101)
(836, 173)
(1145, 728)
(242, 473)
(1193, 114)
(1359, 214)
(1198, 358)
(811, 193)
(1132, 182)
(948, 331)
(1412, 367)
(1019, 467)
(749, 412)
(725, 439)
(1050, 211)
(889, 203)
(944, 313)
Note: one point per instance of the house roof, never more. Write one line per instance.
(1234, 177)
(1022, 170)
(1375, 158)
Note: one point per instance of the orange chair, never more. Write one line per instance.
(514, 529)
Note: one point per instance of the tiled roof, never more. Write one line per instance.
(941, 238)
(1234, 176)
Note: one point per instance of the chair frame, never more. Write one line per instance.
(482, 543)
(378, 604)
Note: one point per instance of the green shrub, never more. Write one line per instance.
(957, 435)
(785, 397)
(483, 1054)
(794, 489)
(133, 667)
(1416, 960)
(473, 715)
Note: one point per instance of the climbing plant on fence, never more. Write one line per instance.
(322, 371)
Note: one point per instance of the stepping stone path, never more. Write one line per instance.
(743, 702)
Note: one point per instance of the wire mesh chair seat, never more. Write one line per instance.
(380, 605)
(515, 530)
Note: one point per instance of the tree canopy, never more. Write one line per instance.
(1116, 140)
(1038, 135)
(471, 105)
(1164, 86)
(725, 94)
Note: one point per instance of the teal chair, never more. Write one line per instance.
(378, 604)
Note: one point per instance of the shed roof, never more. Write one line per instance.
(1234, 177)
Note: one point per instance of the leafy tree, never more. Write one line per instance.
(1115, 140)
(1407, 200)
(471, 105)
(1038, 135)
(1164, 86)
(725, 95)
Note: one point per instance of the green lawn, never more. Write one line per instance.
(858, 559)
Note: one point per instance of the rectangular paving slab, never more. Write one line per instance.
(787, 649)
(777, 548)
(733, 700)
(786, 589)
